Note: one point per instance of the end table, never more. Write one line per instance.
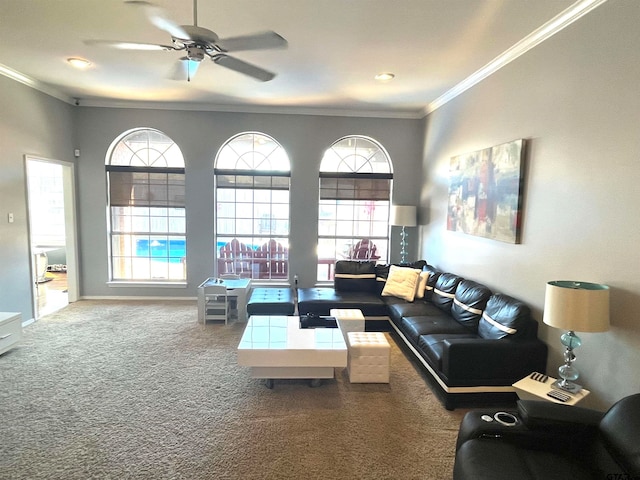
(536, 386)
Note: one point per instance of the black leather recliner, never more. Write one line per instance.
(551, 441)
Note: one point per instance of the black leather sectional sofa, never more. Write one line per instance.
(474, 343)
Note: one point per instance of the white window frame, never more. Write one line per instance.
(252, 176)
(355, 185)
(146, 220)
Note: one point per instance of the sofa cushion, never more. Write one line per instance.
(413, 327)
(399, 308)
(432, 346)
(401, 283)
(419, 264)
(355, 276)
(503, 317)
(382, 269)
(320, 300)
(469, 303)
(482, 458)
(444, 291)
(431, 281)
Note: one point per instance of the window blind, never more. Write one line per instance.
(256, 180)
(146, 189)
(362, 187)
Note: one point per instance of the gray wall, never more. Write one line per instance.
(40, 125)
(575, 97)
(200, 135)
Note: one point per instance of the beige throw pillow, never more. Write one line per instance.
(401, 283)
(421, 284)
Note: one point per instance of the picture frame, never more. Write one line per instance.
(486, 192)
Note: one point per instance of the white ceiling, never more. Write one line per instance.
(335, 49)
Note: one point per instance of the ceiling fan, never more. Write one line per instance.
(199, 43)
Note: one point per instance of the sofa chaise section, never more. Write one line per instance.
(355, 286)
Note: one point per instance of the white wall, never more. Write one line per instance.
(40, 125)
(200, 135)
(575, 98)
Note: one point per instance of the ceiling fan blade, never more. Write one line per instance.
(243, 67)
(158, 17)
(128, 45)
(259, 41)
(184, 69)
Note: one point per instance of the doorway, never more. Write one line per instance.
(52, 234)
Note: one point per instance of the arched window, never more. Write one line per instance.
(252, 175)
(355, 192)
(147, 224)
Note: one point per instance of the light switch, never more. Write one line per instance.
(10, 217)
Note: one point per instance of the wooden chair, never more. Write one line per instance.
(364, 249)
(273, 258)
(235, 258)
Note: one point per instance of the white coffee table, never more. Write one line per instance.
(276, 347)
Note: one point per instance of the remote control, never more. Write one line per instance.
(539, 377)
(558, 395)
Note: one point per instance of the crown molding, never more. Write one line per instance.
(35, 84)
(244, 108)
(205, 107)
(553, 26)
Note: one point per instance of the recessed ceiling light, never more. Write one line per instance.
(384, 77)
(78, 62)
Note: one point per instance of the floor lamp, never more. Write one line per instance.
(403, 216)
(575, 306)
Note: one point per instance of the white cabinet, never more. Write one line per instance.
(10, 330)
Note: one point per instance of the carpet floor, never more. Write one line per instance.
(124, 390)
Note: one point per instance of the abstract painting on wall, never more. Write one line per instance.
(485, 192)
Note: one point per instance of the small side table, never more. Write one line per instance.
(529, 388)
(237, 288)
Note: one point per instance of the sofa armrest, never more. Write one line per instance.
(541, 425)
(498, 362)
(550, 416)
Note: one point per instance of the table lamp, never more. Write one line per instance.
(403, 216)
(575, 306)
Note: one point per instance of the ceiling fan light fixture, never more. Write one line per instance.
(78, 62)
(385, 77)
(199, 43)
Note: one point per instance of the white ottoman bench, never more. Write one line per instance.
(349, 320)
(368, 357)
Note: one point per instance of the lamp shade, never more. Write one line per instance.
(577, 306)
(404, 215)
